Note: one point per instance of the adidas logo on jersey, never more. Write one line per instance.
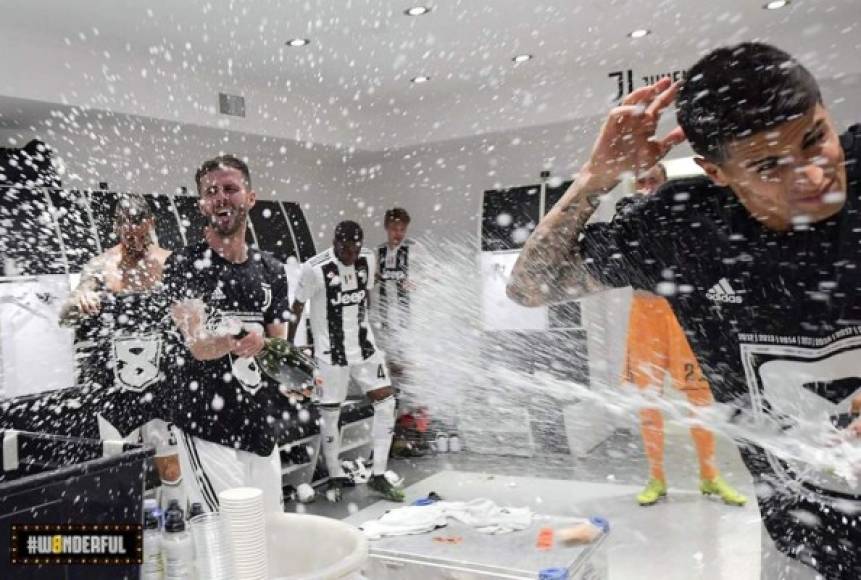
(348, 298)
(218, 294)
(723, 292)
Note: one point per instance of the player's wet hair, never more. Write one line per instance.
(396, 214)
(223, 162)
(132, 208)
(736, 91)
(349, 231)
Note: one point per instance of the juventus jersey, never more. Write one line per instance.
(228, 401)
(775, 320)
(393, 273)
(121, 358)
(339, 306)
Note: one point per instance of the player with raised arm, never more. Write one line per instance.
(758, 260)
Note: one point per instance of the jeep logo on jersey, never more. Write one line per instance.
(136, 361)
(394, 275)
(348, 298)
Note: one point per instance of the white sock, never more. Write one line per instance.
(330, 433)
(384, 426)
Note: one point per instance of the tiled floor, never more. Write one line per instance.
(686, 537)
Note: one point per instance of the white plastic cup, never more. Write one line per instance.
(213, 550)
(442, 443)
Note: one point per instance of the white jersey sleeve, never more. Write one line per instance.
(372, 269)
(308, 283)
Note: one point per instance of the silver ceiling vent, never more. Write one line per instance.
(233, 105)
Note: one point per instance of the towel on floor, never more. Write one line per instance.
(487, 517)
(482, 514)
(404, 521)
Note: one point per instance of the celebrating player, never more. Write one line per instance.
(338, 283)
(758, 260)
(221, 290)
(657, 345)
(119, 311)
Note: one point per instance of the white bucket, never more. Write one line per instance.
(306, 547)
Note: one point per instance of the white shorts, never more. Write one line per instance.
(370, 374)
(209, 468)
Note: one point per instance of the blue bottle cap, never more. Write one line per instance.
(423, 501)
(553, 574)
(600, 523)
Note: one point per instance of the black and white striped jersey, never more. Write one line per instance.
(393, 275)
(339, 297)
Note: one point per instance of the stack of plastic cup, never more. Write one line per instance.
(242, 509)
(213, 556)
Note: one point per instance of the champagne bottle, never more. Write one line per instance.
(283, 362)
(286, 364)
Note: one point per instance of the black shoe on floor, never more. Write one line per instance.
(335, 490)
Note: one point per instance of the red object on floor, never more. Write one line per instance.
(418, 420)
(545, 539)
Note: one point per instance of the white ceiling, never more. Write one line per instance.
(350, 87)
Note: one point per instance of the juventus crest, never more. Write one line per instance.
(802, 384)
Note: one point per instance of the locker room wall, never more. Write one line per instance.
(58, 231)
(133, 153)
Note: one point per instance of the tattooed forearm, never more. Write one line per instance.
(550, 268)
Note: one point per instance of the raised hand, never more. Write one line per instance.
(627, 139)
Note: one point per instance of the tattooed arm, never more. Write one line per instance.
(550, 268)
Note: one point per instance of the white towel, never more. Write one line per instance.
(482, 514)
(487, 517)
(404, 521)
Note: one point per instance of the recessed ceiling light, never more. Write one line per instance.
(522, 58)
(639, 33)
(776, 4)
(417, 10)
(420, 79)
(298, 42)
